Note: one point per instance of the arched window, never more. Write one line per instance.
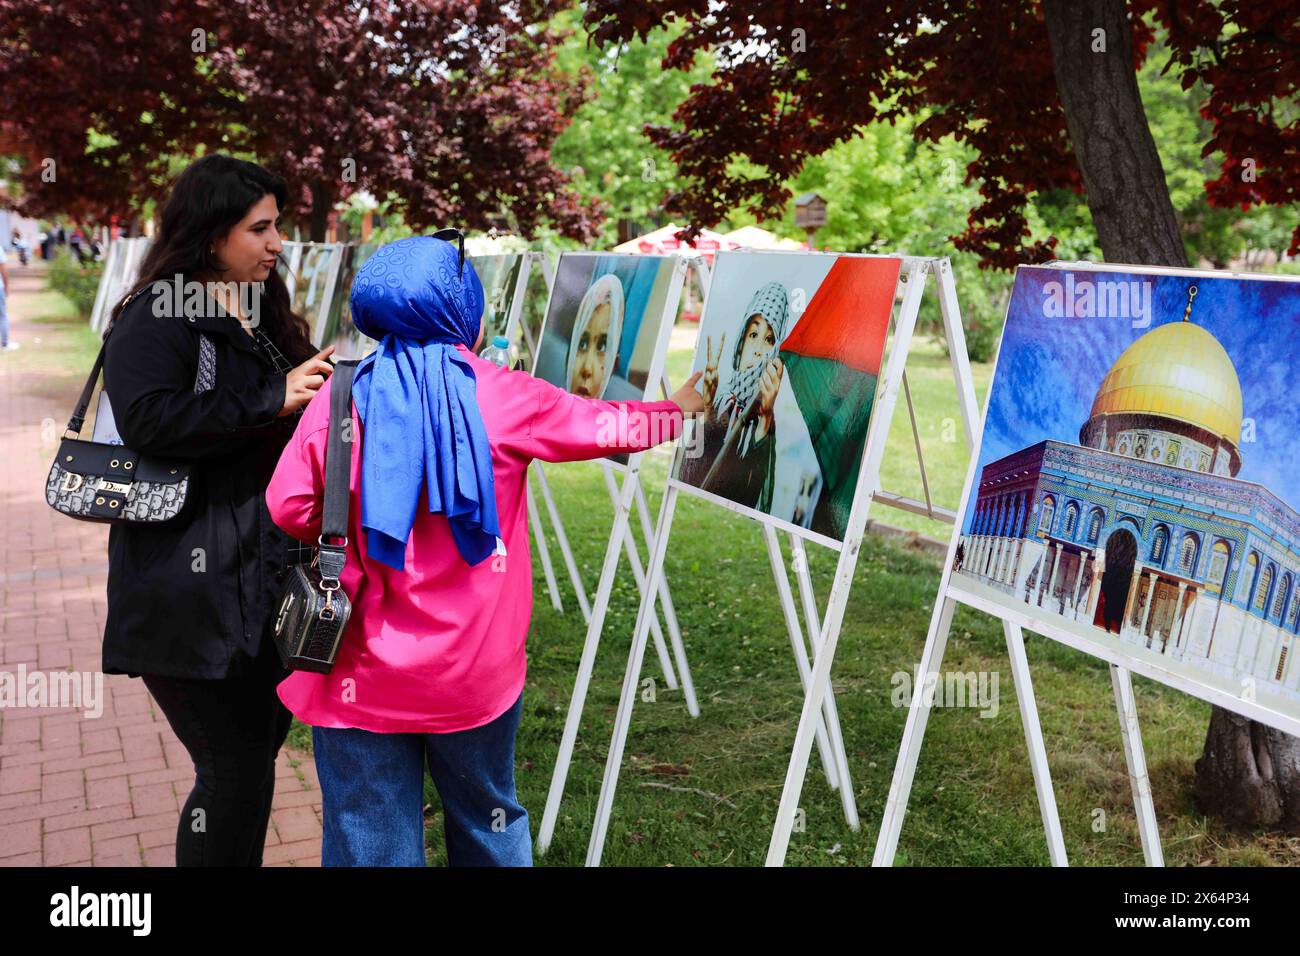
(1159, 545)
(1279, 602)
(1262, 589)
(1219, 556)
(1045, 520)
(1071, 520)
(1094, 525)
(1188, 553)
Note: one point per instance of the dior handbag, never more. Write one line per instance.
(107, 482)
(314, 608)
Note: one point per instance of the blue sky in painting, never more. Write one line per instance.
(1049, 368)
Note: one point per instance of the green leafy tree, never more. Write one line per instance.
(604, 149)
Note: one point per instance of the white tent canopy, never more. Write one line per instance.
(664, 240)
(753, 237)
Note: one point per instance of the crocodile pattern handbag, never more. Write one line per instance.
(98, 481)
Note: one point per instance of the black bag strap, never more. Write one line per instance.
(79, 413)
(338, 472)
(78, 418)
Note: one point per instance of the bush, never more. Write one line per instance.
(982, 295)
(79, 283)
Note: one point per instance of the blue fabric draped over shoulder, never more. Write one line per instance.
(417, 399)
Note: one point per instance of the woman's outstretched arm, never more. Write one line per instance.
(566, 427)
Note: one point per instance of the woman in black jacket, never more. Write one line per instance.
(205, 361)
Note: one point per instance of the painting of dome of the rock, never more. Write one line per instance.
(1139, 472)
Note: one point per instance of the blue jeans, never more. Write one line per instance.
(373, 790)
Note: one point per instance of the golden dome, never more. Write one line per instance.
(1178, 371)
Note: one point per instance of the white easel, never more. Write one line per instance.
(110, 287)
(621, 538)
(331, 285)
(121, 270)
(322, 282)
(818, 720)
(1122, 666)
(514, 324)
(562, 539)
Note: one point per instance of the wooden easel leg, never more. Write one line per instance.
(562, 539)
(627, 697)
(1034, 741)
(585, 666)
(543, 550)
(813, 623)
(1135, 757)
(909, 750)
(670, 614)
(638, 575)
(830, 765)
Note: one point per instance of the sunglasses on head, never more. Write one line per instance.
(454, 235)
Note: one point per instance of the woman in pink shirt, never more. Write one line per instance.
(432, 663)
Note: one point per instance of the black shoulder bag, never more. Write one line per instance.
(314, 608)
(99, 481)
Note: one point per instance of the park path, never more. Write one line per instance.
(76, 789)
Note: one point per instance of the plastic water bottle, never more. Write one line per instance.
(498, 352)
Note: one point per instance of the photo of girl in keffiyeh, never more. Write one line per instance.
(789, 349)
(740, 422)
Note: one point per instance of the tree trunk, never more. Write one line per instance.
(1248, 774)
(1127, 193)
(322, 199)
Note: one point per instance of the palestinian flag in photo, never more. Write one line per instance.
(832, 361)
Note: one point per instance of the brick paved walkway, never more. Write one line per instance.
(76, 789)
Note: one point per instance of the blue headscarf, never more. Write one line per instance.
(416, 396)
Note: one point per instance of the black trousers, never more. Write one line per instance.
(233, 728)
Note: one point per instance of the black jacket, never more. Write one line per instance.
(193, 596)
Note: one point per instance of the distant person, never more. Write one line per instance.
(20, 244)
(74, 244)
(4, 307)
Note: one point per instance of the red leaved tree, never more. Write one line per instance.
(451, 106)
(67, 69)
(1046, 94)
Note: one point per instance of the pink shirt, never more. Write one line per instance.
(439, 647)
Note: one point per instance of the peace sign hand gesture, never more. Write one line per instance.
(710, 384)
